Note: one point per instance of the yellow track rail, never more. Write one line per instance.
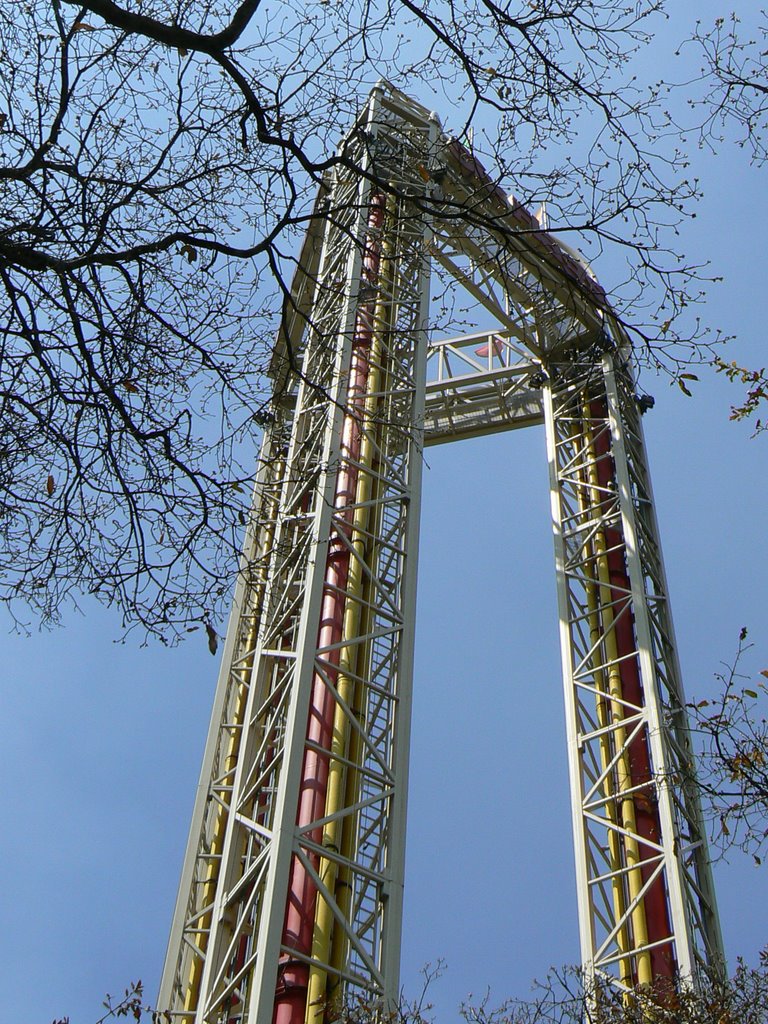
(328, 945)
(624, 850)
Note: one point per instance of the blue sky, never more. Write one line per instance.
(102, 741)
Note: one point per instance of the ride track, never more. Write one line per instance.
(290, 901)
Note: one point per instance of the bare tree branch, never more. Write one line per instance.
(160, 161)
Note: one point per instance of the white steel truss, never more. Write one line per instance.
(302, 796)
(647, 909)
(291, 893)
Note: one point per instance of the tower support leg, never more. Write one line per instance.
(647, 914)
(292, 894)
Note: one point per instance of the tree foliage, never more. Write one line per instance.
(734, 76)
(129, 1006)
(563, 998)
(756, 394)
(159, 160)
(730, 101)
(733, 766)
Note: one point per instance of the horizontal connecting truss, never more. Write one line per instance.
(291, 892)
(479, 384)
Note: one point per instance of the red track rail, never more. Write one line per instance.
(655, 903)
(293, 973)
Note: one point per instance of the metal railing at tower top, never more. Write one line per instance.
(290, 902)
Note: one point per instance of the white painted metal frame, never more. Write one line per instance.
(479, 384)
(543, 355)
(692, 891)
(588, 397)
(226, 937)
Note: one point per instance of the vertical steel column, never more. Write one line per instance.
(646, 904)
(292, 890)
(691, 890)
(191, 927)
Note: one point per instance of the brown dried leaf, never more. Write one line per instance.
(213, 638)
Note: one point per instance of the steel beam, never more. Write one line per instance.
(309, 737)
(290, 900)
(647, 910)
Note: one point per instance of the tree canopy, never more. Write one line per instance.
(733, 764)
(159, 161)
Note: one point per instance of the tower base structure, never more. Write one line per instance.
(290, 902)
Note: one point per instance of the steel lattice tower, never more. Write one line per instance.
(291, 892)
